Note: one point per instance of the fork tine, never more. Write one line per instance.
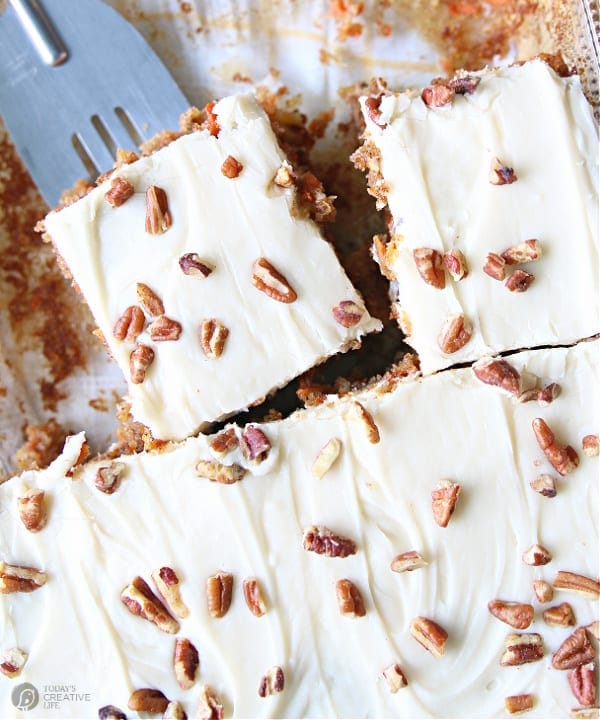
(117, 131)
(96, 149)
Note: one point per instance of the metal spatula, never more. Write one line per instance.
(76, 82)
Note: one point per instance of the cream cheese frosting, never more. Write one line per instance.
(229, 223)
(434, 164)
(78, 634)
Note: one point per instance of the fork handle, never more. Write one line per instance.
(40, 31)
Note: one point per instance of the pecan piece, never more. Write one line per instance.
(185, 663)
(191, 264)
(148, 700)
(271, 683)
(437, 95)
(149, 300)
(12, 662)
(561, 615)
(359, 411)
(575, 650)
(518, 703)
(20, 578)
(158, 217)
(501, 174)
(429, 634)
(574, 582)
(563, 458)
(212, 119)
(586, 713)
(210, 706)
(140, 600)
(323, 541)
(219, 589)
(543, 591)
(271, 282)
(536, 555)
(464, 84)
(212, 337)
(443, 501)
(521, 649)
(254, 444)
(407, 562)
(254, 597)
(111, 712)
(394, 677)
(430, 265)
(231, 167)
(217, 472)
(591, 445)
(347, 313)
(174, 711)
(284, 177)
(108, 477)
(165, 329)
(455, 334)
(582, 681)
(524, 252)
(350, 601)
(167, 583)
(519, 281)
(142, 356)
(494, 266)
(456, 264)
(544, 485)
(373, 110)
(496, 371)
(328, 454)
(119, 192)
(130, 324)
(32, 510)
(223, 442)
(517, 615)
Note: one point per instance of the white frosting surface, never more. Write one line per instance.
(435, 163)
(229, 223)
(78, 633)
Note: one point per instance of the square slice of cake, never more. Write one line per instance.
(491, 181)
(206, 278)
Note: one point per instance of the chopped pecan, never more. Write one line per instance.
(456, 264)
(408, 561)
(119, 192)
(213, 335)
(221, 443)
(494, 266)
(174, 711)
(521, 649)
(519, 281)
(583, 684)
(149, 300)
(323, 541)
(130, 324)
(518, 703)
(327, 455)
(219, 589)
(284, 177)
(373, 110)
(358, 411)
(524, 252)
(537, 555)
(443, 501)
(20, 578)
(528, 395)
(455, 334)
(430, 265)
(574, 582)
(271, 282)
(271, 683)
(12, 662)
(586, 713)
(496, 371)
(543, 591)
(210, 706)
(463, 84)
(212, 119)
(148, 700)
(167, 583)
(545, 485)
(254, 444)
(517, 615)
(140, 600)
(165, 329)
(591, 445)
(108, 477)
(350, 602)
(437, 95)
(32, 510)
(429, 634)
(254, 597)
(561, 615)
(231, 167)
(158, 217)
(110, 712)
(185, 663)
(575, 650)
(394, 677)
(563, 458)
(501, 174)
(347, 313)
(191, 264)
(142, 356)
(217, 472)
